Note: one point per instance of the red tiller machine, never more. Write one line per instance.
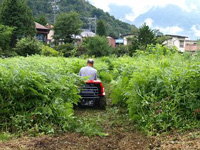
(93, 94)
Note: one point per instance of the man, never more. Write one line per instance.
(89, 71)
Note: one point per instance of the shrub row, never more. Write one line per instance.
(37, 93)
(159, 89)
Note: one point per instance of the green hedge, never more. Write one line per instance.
(160, 89)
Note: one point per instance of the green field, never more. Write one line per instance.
(158, 89)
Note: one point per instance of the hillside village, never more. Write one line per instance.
(45, 34)
(73, 77)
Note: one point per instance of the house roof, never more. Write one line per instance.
(39, 26)
(87, 33)
(129, 34)
(109, 37)
(193, 41)
(178, 36)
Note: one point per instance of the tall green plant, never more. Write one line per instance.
(16, 13)
(161, 92)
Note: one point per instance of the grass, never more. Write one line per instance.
(5, 136)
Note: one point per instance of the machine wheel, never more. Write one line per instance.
(102, 103)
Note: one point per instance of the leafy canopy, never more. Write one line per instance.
(5, 36)
(41, 20)
(97, 46)
(16, 13)
(101, 28)
(66, 26)
(146, 36)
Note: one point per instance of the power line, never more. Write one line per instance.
(55, 8)
(92, 22)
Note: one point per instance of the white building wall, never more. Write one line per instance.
(175, 41)
(125, 41)
(50, 37)
(125, 38)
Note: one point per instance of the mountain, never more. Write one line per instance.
(85, 9)
(169, 19)
(172, 17)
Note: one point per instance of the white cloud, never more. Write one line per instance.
(140, 7)
(193, 7)
(196, 30)
(170, 29)
(149, 22)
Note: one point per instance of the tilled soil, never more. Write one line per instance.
(177, 141)
(121, 136)
(74, 141)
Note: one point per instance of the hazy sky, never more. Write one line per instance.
(140, 7)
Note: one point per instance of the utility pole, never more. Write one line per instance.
(55, 8)
(92, 23)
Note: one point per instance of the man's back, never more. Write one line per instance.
(88, 72)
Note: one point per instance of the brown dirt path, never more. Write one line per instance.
(120, 136)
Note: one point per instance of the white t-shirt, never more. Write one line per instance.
(88, 72)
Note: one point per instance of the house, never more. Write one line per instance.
(84, 34)
(42, 32)
(87, 33)
(126, 38)
(119, 41)
(192, 46)
(51, 34)
(112, 41)
(176, 40)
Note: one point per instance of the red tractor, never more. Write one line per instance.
(93, 94)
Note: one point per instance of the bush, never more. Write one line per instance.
(121, 50)
(105, 76)
(37, 94)
(48, 51)
(81, 50)
(28, 46)
(5, 37)
(7, 53)
(160, 50)
(66, 49)
(160, 89)
(97, 46)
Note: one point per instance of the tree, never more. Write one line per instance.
(160, 37)
(97, 46)
(135, 45)
(101, 28)
(135, 30)
(5, 36)
(16, 13)
(121, 50)
(67, 26)
(41, 20)
(146, 36)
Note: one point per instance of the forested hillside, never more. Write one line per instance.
(85, 9)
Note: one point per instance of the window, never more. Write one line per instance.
(182, 43)
(40, 37)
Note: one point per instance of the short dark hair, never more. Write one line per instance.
(90, 61)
